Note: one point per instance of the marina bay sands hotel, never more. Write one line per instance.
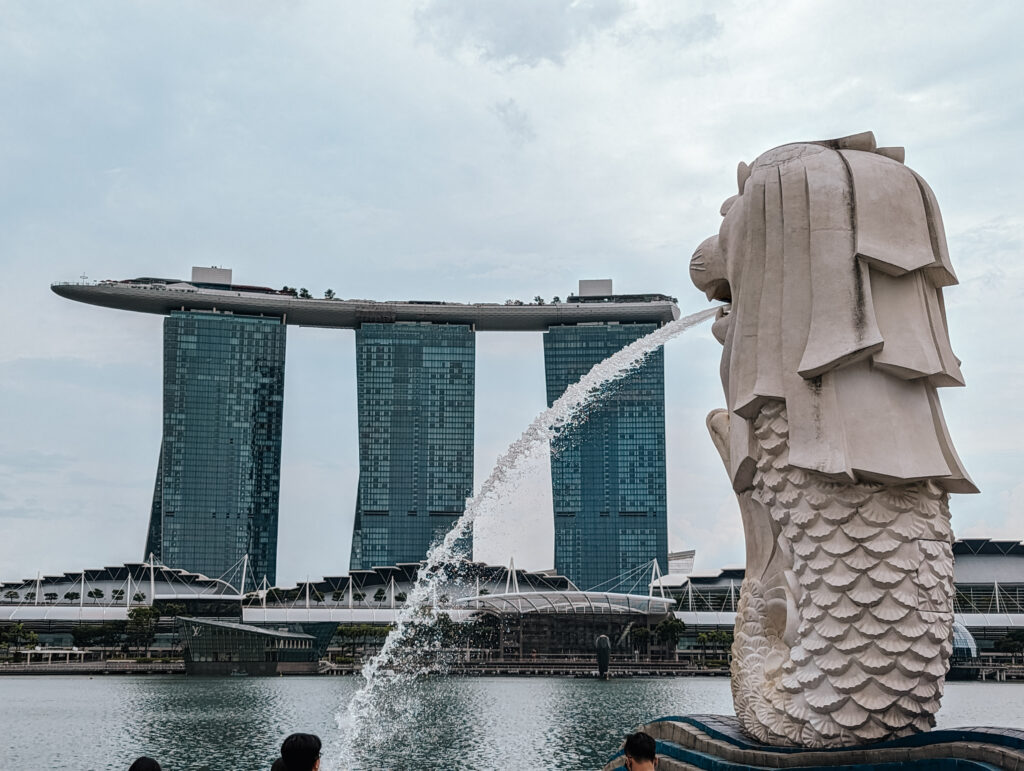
(218, 474)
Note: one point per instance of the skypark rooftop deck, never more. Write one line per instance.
(161, 296)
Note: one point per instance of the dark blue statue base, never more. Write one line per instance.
(716, 743)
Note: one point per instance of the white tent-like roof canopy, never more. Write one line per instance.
(569, 602)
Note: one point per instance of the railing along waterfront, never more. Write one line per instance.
(95, 667)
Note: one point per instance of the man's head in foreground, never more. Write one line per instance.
(301, 752)
(640, 752)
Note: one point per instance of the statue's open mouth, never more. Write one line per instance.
(721, 323)
(719, 289)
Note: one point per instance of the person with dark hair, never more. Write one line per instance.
(640, 751)
(301, 752)
(144, 764)
(279, 765)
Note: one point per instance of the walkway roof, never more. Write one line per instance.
(28, 598)
(569, 602)
(322, 592)
(966, 546)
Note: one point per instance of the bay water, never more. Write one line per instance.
(237, 724)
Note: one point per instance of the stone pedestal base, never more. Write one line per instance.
(715, 743)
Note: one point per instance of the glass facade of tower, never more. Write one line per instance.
(608, 473)
(415, 386)
(218, 478)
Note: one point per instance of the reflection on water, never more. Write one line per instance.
(237, 724)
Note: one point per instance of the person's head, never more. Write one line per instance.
(144, 764)
(640, 752)
(301, 752)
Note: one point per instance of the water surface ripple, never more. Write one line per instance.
(237, 724)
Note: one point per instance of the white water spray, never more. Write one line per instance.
(385, 675)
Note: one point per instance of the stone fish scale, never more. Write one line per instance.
(872, 570)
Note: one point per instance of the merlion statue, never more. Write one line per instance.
(832, 258)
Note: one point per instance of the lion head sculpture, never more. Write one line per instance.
(833, 258)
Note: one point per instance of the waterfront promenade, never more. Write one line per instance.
(987, 670)
(557, 668)
(107, 667)
(580, 668)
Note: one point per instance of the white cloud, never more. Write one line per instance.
(516, 121)
(516, 32)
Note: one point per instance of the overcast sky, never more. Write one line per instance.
(467, 151)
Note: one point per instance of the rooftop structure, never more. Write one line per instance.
(377, 595)
(163, 295)
(571, 602)
(336, 590)
(681, 562)
(107, 594)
